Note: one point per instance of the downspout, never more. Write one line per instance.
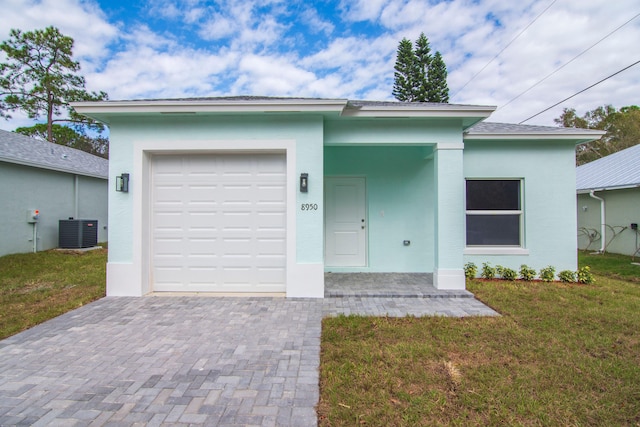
(602, 221)
(77, 191)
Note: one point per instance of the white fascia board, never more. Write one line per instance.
(424, 110)
(579, 137)
(209, 106)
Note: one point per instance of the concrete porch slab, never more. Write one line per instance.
(386, 285)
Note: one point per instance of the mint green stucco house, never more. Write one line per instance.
(265, 195)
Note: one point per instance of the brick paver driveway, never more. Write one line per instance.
(189, 360)
(166, 360)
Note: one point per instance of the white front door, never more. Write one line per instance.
(345, 222)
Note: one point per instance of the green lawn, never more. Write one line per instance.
(37, 287)
(561, 354)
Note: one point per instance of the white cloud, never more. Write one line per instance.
(153, 66)
(263, 75)
(362, 10)
(315, 23)
(204, 48)
(83, 21)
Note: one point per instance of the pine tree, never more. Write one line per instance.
(422, 87)
(419, 76)
(437, 78)
(40, 78)
(403, 86)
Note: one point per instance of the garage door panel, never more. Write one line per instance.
(274, 246)
(272, 275)
(219, 223)
(199, 220)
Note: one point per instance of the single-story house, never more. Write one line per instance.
(56, 181)
(608, 193)
(252, 194)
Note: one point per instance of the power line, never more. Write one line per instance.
(578, 93)
(504, 48)
(567, 63)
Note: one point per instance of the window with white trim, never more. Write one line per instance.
(494, 212)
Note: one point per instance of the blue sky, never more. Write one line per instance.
(522, 56)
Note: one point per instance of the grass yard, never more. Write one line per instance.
(37, 287)
(561, 354)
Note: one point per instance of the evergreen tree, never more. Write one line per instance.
(437, 80)
(419, 76)
(403, 86)
(422, 86)
(40, 77)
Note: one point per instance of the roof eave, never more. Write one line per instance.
(470, 114)
(52, 168)
(104, 109)
(577, 138)
(613, 187)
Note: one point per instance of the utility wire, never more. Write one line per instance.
(567, 63)
(504, 48)
(578, 93)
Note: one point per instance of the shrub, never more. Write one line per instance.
(507, 273)
(584, 275)
(488, 272)
(547, 274)
(470, 270)
(527, 273)
(567, 276)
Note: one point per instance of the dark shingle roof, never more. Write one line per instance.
(20, 149)
(617, 170)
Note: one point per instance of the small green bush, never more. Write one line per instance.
(527, 273)
(585, 276)
(547, 274)
(507, 273)
(488, 272)
(567, 276)
(470, 270)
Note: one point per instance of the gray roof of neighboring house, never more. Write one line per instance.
(615, 171)
(24, 150)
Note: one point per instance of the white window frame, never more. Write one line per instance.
(498, 249)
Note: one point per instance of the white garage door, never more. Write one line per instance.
(218, 223)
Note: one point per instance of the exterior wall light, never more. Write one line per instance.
(122, 183)
(304, 182)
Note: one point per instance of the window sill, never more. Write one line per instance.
(495, 250)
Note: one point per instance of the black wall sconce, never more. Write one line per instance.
(122, 183)
(304, 182)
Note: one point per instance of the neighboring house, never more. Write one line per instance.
(58, 181)
(609, 203)
(249, 194)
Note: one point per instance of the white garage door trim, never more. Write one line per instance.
(236, 243)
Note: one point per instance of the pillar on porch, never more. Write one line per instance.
(449, 216)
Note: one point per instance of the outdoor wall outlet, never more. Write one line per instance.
(406, 242)
(33, 215)
(634, 226)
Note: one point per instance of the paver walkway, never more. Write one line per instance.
(183, 360)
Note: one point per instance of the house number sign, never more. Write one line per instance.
(309, 207)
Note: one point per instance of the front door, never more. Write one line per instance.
(345, 222)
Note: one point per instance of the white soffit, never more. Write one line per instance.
(508, 131)
(210, 105)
